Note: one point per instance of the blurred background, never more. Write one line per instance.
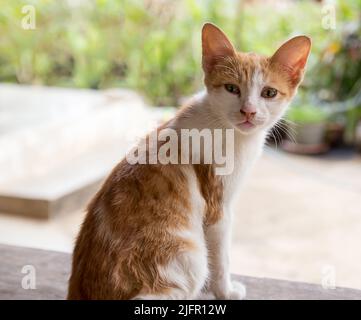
(81, 80)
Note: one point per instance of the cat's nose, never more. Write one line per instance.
(249, 114)
(248, 110)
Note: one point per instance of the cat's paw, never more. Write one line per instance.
(237, 291)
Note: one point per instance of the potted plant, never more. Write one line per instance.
(307, 125)
(358, 135)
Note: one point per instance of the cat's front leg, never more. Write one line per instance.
(218, 240)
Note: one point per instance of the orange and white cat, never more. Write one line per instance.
(162, 231)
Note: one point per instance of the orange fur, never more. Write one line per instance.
(212, 191)
(124, 237)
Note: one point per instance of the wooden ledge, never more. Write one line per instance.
(53, 268)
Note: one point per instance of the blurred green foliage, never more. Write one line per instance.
(152, 45)
(306, 114)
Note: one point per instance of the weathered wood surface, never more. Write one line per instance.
(52, 273)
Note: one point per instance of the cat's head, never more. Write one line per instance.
(250, 91)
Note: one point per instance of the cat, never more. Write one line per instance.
(162, 231)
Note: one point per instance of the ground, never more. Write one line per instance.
(297, 218)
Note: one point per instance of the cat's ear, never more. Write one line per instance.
(215, 46)
(292, 57)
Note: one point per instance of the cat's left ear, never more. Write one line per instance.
(215, 46)
(292, 57)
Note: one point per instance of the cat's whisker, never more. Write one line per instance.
(286, 127)
(286, 122)
(285, 130)
(294, 124)
(279, 134)
(290, 133)
(271, 133)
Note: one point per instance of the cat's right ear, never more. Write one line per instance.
(215, 46)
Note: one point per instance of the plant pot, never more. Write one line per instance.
(334, 134)
(308, 139)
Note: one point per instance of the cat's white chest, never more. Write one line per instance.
(245, 155)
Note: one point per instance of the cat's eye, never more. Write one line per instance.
(269, 92)
(232, 88)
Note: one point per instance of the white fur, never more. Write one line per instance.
(248, 147)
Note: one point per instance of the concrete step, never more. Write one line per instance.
(46, 127)
(64, 189)
(54, 160)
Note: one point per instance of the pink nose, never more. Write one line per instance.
(248, 110)
(249, 114)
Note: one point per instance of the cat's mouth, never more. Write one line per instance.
(246, 125)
